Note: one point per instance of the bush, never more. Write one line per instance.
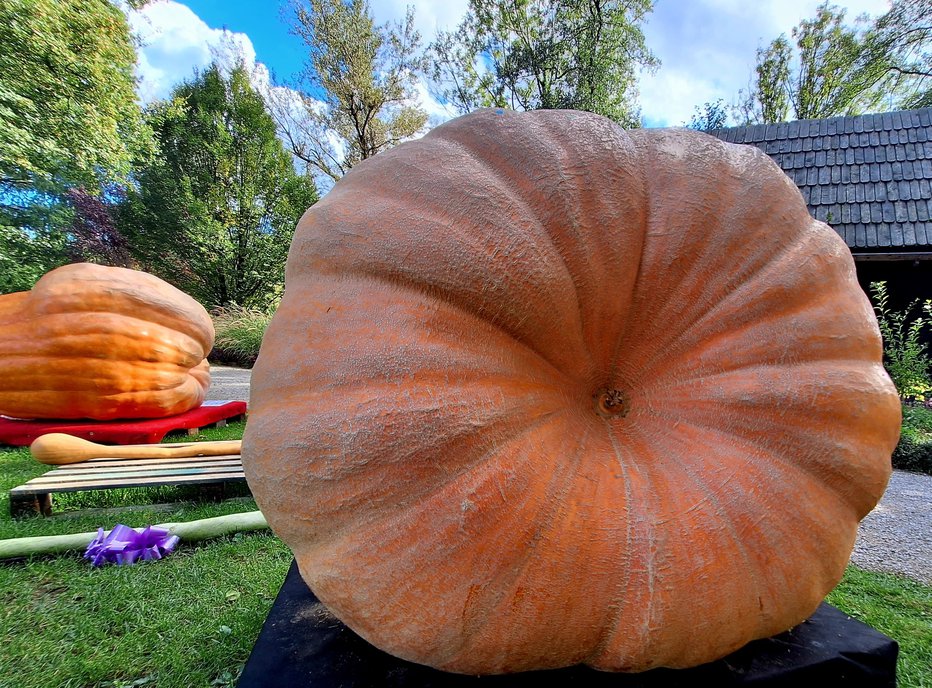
(905, 356)
(914, 450)
(239, 334)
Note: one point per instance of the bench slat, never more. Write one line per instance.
(95, 463)
(50, 481)
(75, 486)
(129, 466)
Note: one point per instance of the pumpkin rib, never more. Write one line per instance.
(81, 377)
(78, 343)
(752, 567)
(675, 367)
(398, 583)
(445, 348)
(852, 466)
(464, 470)
(687, 640)
(618, 598)
(553, 501)
(120, 299)
(496, 165)
(805, 468)
(673, 351)
(628, 332)
(684, 330)
(689, 241)
(586, 193)
(407, 283)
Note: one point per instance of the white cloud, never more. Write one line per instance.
(708, 49)
(429, 15)
(175, 43)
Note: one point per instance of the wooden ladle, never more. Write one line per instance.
(58, 449)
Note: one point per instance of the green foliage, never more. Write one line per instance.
(904, 34)
(833, 68)
(918, 418)
(67, 100)
(710, 116)
(545, 54)
(239, 333)
(367, 75)
(214, 212)
(68, 117)
(905, 356)
(914, 450)
(27, 254)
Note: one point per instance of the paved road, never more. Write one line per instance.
(228, 384)
(896, 537)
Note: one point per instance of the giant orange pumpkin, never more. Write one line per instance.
(542, 391)
(90, 341)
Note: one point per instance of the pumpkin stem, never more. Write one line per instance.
(611, 402)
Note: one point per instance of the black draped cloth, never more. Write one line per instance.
(300, 646)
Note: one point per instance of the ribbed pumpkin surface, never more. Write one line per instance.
(542, 391)
(90, 341)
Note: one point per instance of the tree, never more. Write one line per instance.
(94, 236)
(905, 34)
(364, 76)
(545, 54)
(68, 117)
(838, 69)
(215, 211)
(710, 116)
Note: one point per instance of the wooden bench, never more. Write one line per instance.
(211, 472)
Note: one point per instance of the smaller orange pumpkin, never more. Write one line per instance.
(99, 342)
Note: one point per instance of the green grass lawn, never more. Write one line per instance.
(191, 619)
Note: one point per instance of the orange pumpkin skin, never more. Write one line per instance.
(544, 392)
(90, 341)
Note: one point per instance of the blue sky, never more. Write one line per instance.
(707, 47)
(275, 46)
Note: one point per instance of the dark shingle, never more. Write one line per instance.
(896, 234)
(883, 235)
(922, 210)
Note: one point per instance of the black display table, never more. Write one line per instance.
(303, 645)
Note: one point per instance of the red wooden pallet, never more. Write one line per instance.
(21, 433)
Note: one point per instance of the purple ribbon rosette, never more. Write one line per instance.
(125, 545)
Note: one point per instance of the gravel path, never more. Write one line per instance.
(896, 537)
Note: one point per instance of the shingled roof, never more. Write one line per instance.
(868, 176)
